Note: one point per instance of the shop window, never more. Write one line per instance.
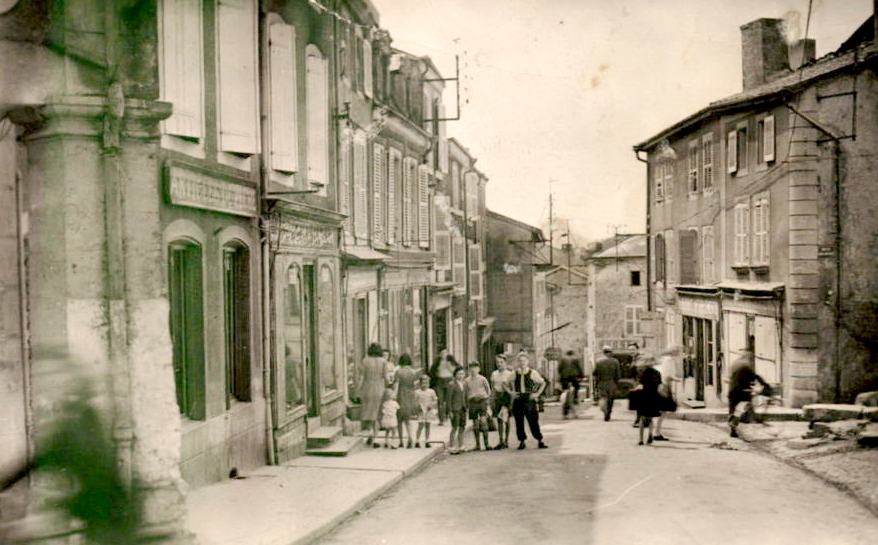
(237, 76)
(294, 339)
(185, 292)
(326, 328)
(236, 298)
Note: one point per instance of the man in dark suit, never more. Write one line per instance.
(607, 373)
(570, 372)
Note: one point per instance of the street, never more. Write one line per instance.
(595, 485)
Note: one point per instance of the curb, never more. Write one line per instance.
(761, 446)
(367, 500)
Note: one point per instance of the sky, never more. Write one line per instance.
(556, 92)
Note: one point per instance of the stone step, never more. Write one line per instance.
(342, 447)
(323, 436)
(312, 424)
(693, 403)
(831, 412)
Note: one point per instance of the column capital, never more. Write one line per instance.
(84, 116)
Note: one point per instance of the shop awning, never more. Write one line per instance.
(363, 253)
(759, 289)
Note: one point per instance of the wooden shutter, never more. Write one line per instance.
(732, 152)
(237, 78)
(768, 138)
(766, 232)
(344, 179)
(378, 166)
(423, 207)
(393, 175)
(669, 179)
(367, 67)
(361, 225)
(688, 257)
(670, 256)
(406, 201)
(443, 250)
(459, 260)
(282, 96)
(693, 166)
(707, 161)
(317, 103)
(182, 66)
(475, 271)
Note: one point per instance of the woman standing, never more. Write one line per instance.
(371, 389)
(406, 382)
(649, 401)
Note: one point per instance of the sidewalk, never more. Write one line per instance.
(836, 459)
(299, 501)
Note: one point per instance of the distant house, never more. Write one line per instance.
(761, 222)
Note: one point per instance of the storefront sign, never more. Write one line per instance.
(190, 188)
(297, 235)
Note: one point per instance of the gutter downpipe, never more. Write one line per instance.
(648, 233)
(836, 175)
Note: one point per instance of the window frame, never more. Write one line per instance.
(741, 233)
(707, 169)
(760, 226)
(692, 180)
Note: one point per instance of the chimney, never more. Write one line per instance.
(763, 51)
(802, 52)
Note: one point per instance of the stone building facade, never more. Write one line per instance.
(759, 236)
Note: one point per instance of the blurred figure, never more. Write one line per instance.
(607, 373)
(570, 372)
(371, 388)
(649, 401)
(744, 383)
(667, 367)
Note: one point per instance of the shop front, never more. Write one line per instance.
(308, 374)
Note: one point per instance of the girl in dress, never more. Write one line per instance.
(389, 408)
(428, 409)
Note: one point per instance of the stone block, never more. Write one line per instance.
(803, 236)
(869, 399)
(803, 310)
(800, 325)
(807, 384)
(871, 413)
(803, 295)
(803, 208)
(803, 252)
(803, 192)
(804, 266)
(803, 222)
(843, 429)
(829, 412)
(809, 281)
(869, 436)
(803, 340)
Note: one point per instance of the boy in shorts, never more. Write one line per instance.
(478, 391)
(456, 402)
(501, 408)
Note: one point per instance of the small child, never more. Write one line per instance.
(389, 408)
(457, 410)
(428, 409)
(478, 391)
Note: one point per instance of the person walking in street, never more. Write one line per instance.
(570, 372)
(428, 410)
(389, 417)
(649, 401)
(371, 389)
(442, 373)
(406, 382)
(456, 403)
(744, 384)
(501, 406)
(607, 373)
(478, 392)
(527, 385)
(667, 365)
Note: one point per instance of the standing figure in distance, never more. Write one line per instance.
(570, 371)
(501, 407)
(527, 385)
(607, 373)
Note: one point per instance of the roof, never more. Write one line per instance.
(363, 253)
(507, 219)
(788, 83)
(633, 246)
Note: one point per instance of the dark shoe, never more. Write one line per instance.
(542, 445)
(521, 446)
(660, 438)
(409, 444)
(640, 443)
(369, 441)
(733, 433)
(499, 446)
(418, 444)
(649, 440)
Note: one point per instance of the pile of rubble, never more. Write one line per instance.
(830, 422)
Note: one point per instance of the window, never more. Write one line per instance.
(282, 96)
(659, 181)
(635, 278)
(707, 253)
(237, 76)
(707, 162)
(317, 107)
(361, 203)
(693, 167)
(670, 257)
(669, 179)
(459, 260)
(659, 256)
(761, 224)
(633, 320)
(182, 67)
(326, 328)
(187, 326)
(236, 299)
(766, 139)
(475, 271)
(412, 202)
(742, 233)
(689, 267)
(294, 339)
(423, 207)
(394, 177)
(732, 152)
(407, 212)
(344, 178)
(379, 167)
(738, 150)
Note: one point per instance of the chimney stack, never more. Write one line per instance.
(802, 52)
(763, 51)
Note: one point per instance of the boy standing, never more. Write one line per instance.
(501, 385)
(456, 403)
(478, 391)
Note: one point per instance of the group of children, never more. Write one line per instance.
(469, 397)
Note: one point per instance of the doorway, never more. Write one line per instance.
(312, 366)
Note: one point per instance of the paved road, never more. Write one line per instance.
(595, 485)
